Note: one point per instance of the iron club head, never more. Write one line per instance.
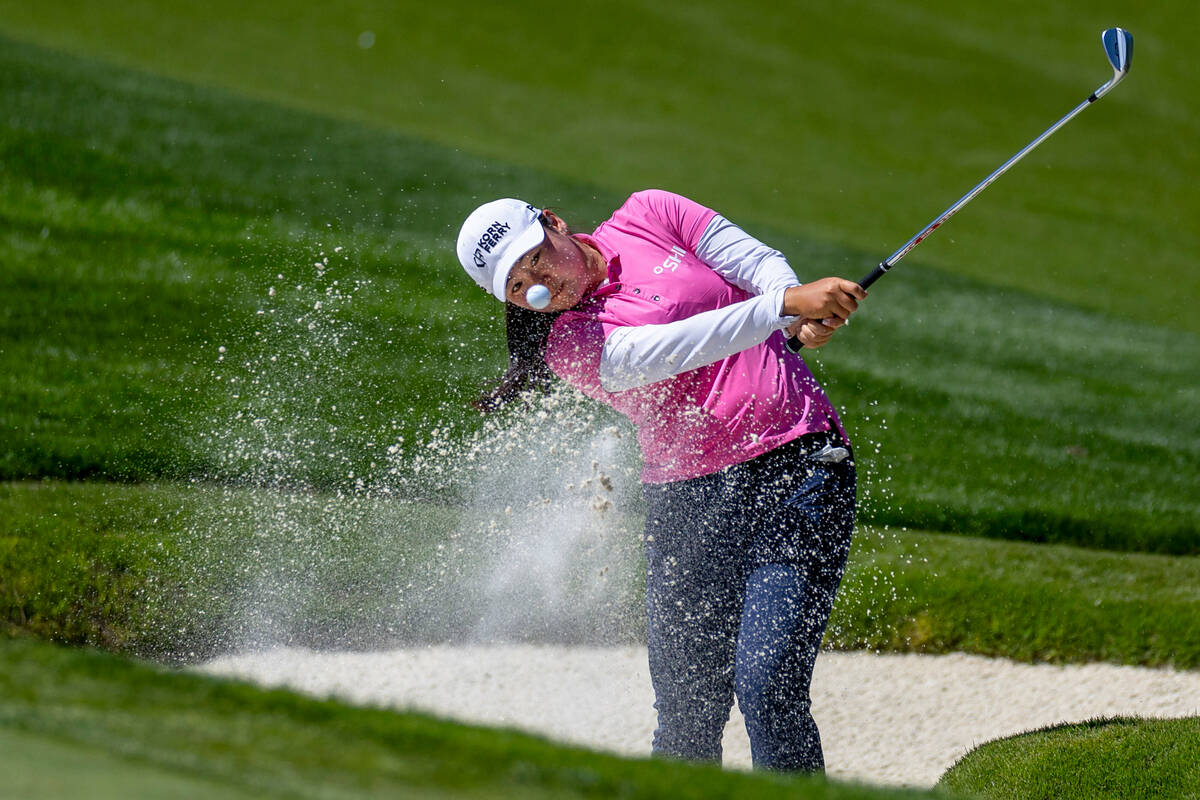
(1118, 46)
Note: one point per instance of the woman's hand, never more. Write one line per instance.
(814, 333)
(826, 299)
(824, 306)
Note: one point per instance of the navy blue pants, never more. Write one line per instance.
(742, 569)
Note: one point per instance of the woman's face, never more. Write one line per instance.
(565, 266)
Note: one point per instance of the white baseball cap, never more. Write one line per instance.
(495, 237)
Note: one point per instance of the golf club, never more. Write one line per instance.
(1118, 46)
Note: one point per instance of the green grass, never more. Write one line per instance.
(939, 593)
(147, 224)
(95, 772)
(136, 725)
(853, 124)
(228, 275)
(130, 263)
(1116, 759)
(179, 573)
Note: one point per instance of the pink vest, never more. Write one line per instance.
(709, 418)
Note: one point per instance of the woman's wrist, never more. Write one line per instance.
(793, 299)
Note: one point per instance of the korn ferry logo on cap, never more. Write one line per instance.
(491, 237)
(494, 237)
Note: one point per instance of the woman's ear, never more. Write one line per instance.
(555, 222)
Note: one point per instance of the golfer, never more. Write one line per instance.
(677, 319)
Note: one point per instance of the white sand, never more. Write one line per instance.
(884, 719)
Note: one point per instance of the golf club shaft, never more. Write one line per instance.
(794, 344)
(891, 260)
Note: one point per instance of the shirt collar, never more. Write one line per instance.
(613, 260)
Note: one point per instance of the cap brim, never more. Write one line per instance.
(530, 238)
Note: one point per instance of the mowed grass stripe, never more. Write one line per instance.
(854, 125)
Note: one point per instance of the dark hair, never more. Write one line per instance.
(526, 332)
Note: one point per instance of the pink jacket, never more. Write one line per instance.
(704, 419)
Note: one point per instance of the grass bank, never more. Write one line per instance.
(125, 725)
(1121, 759)
(939, 593)
(183, 572)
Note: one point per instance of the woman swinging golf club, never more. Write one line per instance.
(672, 315)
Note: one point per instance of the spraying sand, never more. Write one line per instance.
(539, 538)
(885, 719)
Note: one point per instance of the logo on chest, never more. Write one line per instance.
(672, 261)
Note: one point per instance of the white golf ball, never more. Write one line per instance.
(537, 296)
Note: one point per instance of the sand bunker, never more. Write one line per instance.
(884, 719)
